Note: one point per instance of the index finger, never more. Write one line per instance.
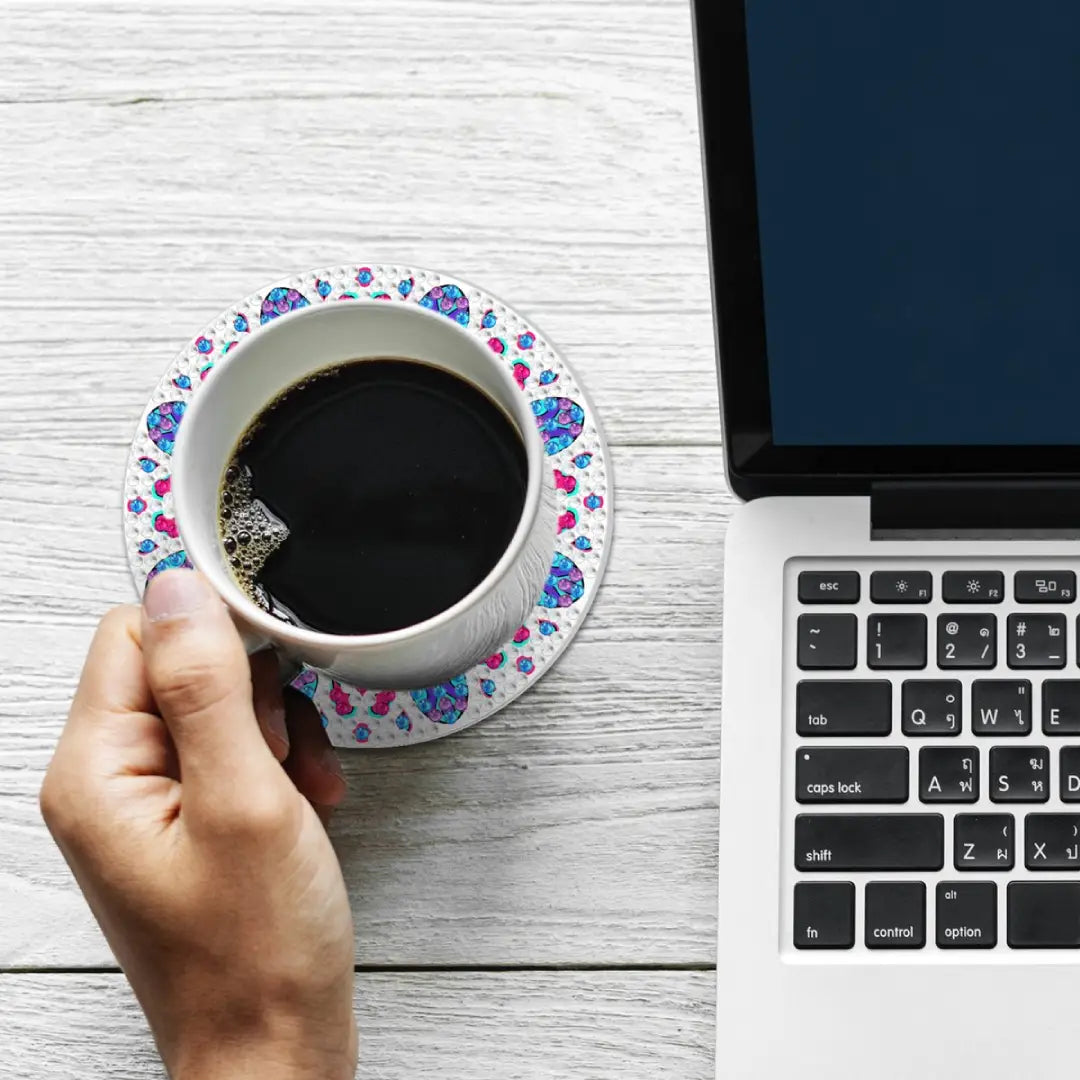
(113, 678)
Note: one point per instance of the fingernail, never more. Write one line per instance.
(175, 593)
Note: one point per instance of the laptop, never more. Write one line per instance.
(894, 219)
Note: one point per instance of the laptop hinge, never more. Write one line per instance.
(1007, 508)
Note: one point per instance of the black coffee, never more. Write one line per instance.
(371, 496)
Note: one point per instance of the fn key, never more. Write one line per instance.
(824, 916)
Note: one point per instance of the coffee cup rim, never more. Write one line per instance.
(199, 548)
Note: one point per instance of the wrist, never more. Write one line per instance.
(225, 1057)
(262, 1063)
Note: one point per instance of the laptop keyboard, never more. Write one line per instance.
(932, 746)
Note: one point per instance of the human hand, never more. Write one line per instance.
(187, 798)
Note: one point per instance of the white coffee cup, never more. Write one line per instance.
(296, 345)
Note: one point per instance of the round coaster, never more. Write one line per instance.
(355, 716)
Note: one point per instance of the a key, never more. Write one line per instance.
(948, 774)
(972, 586)
(1036, 640)
(966, 641)
(1043, 915)
(827, 641)
(966, 915)
(931, 707)
(1001, 707)
(869, 842)
(1061, 707)
(824, 915)
(825, 587)
(851, 707)
(1044, 586)
(1069, 780)
(1019, 774)
(901, 586)
(851, 775)
(895, 915)
(1052, 841)
(896, 641)
(983, 841)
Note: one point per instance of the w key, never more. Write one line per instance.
(1001, 707)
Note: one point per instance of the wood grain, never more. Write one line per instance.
(414, 1026)
(576, 826)
(161, 161)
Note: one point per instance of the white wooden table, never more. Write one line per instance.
(534, 898)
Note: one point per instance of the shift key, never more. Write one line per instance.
(843, 707)
(900, 842)
(851, 775)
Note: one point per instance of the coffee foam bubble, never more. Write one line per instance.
(250, 533)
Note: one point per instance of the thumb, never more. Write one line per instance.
(200, 678)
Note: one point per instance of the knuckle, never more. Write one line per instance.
(55, 803)
(195, 684)
(262, 815)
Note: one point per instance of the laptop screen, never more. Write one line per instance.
(918, 194)
(894, 195)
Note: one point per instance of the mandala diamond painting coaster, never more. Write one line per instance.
(356, 716)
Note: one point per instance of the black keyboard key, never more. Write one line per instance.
(827, 641)
(896, 641)
(972, 586)
(851, 775)
(966, 641)
(984, 841)
(895, 915)
(931, 707)
(1044, 586)
(1061, 707)
(851, 707)
(1001, 707)
(1019, 774)
(966, 915)
(824, 915)
(1069, 782)
(901, 586)
(1036, 640)
(825, 587)
(869, 842)
(1052, 841)
(948, 774)
(1043, 915)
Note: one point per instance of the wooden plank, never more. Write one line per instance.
(577, 826)
(413, 1026)
(196, 153)
(164, 162)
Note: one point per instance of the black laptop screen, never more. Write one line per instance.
(918, 199)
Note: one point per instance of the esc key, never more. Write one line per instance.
(829, 587)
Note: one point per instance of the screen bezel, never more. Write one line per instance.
(756, 465)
